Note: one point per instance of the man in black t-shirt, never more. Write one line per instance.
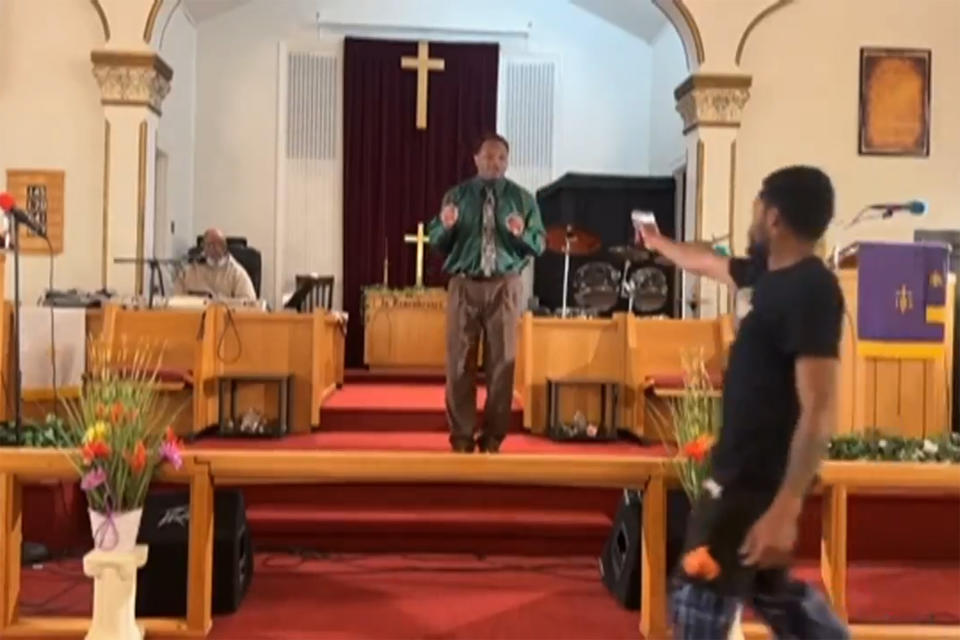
(779, 407)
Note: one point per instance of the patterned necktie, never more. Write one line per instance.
(488, 249)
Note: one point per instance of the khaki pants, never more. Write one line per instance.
(492, 308)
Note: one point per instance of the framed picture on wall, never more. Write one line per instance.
(894, 102)
(40, 193)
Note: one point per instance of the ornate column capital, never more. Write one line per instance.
(132, 78)
(712, 100)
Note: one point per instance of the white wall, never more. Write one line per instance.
(669, 69)
(604, 99)
(804, 104)
(51, 118)
(175, 135)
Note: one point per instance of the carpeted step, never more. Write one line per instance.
(392, 376)
(423, 518)
(396, 407)
(467, 530)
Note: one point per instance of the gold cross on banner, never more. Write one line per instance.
(904, 300)
(420, 239)
(423, 64)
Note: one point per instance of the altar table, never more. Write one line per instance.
(405, 328)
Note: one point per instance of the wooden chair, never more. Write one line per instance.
(321, 295)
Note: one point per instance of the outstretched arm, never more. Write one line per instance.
(693, 257)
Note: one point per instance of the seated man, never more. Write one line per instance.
(218, 274)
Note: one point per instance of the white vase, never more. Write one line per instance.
(116, 533)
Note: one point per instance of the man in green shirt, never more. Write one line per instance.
(489, 228)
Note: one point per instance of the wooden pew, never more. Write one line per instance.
(245, 342)
(566, 348)
(645, 355)
(656, 350)
(178, 334)
(653, 475)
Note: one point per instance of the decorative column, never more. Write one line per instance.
(114, 576)
(133, 85)
(711, 106)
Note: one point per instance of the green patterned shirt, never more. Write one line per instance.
(462, 243)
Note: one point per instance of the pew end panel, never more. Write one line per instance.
(656, 351)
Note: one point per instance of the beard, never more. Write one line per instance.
(759, 248)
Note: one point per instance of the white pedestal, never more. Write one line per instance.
(114, 576)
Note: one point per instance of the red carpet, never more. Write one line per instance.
(455, 596)
(395, 407)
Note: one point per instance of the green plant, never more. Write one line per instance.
(35, 434)
(875, 445)
(696, 418)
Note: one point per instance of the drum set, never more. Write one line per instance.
(598, 286)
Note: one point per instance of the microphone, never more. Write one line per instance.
(914, 207)
(9, 205)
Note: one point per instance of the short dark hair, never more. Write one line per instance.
(488, 137)
(804, 198)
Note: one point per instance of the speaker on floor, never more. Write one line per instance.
(161, 582)
(620, 562)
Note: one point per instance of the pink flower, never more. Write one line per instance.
(93, 479)
(170, 452)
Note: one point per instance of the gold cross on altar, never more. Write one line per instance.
(423, 64)
(420, 239)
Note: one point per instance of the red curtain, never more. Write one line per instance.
(394, 175)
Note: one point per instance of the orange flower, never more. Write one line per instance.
(116, 413)
(100, 411)
(138, 459)
(700, 564)
(95, 449)
(698, 448)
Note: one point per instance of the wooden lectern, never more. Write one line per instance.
(904, 389)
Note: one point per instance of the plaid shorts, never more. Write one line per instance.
(792, 610)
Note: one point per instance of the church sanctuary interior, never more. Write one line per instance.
(256, 194)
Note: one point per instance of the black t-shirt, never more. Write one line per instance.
(796, 311)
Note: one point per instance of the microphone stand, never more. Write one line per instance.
(17, 374)
(857, 219)
(31, 552)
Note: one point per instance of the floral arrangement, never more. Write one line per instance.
(116, 430)
(696, 419)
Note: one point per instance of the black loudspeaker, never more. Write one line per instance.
(620, 562)
(601, 205)
(950, 237)
(161, 582)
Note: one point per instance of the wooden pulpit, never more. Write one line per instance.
(896, 351)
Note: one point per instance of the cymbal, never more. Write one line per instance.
(636, 255)
(627, 253)
(582, 243)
